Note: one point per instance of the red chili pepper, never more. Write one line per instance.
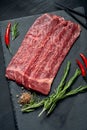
(84, 59)
(7, 35)
(83, 71)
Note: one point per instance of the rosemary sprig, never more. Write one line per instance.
(14, 30)
(60, 93)
(33, 106)
(75, 91)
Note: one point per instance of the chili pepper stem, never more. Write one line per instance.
(9, 50)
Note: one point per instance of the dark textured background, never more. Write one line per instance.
(10, 9)
(19, 8)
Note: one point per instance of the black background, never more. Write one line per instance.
(10, 9)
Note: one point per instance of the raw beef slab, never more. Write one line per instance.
(42, 51)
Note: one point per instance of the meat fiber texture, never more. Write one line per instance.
(42, 51)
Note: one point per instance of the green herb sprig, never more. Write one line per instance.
(60, 93)
(14, 30)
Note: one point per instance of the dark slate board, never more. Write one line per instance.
(70, 114)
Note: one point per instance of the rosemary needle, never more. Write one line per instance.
(15, 32)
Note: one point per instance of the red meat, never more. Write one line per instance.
(42, 51)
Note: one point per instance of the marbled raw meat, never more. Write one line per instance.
(42, 51)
